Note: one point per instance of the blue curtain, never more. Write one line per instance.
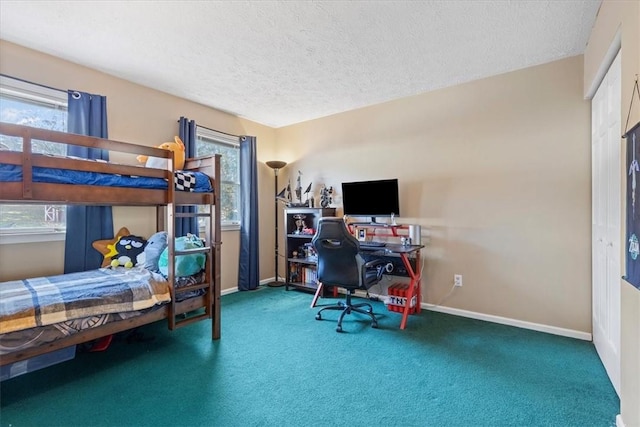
(248, 270)
(85, 224)
(187, 133)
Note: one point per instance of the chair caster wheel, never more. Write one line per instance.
(339, 329)
(318, 317)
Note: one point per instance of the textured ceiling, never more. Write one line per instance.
(283, 62)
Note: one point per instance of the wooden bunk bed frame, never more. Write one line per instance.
(165, 201)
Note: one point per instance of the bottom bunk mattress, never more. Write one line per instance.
(19, 340)
(43, 301)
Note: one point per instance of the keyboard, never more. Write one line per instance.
(366, 245)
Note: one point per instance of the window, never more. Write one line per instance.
(211, 142)
(32, 105)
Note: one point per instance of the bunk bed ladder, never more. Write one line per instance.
(178, 315)
(181, 316)
(182, 319)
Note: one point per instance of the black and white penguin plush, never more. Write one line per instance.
(130, 251)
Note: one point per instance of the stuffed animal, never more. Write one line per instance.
(124, 249)
(185, 265)
(130, 251)
(178, 155)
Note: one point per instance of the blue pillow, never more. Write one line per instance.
(155, 245)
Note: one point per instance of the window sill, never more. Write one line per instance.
(230, 227)
(58, 236)
(48, 236)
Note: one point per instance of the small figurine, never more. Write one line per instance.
(293, 272)
(298, 193)
(325, 196)
(285, 195)
(299, 188)
(300, 225)
(308, 202)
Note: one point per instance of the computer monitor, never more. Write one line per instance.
(371, 198)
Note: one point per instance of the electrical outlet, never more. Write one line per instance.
(457, 279)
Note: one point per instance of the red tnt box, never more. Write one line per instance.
(397, 298)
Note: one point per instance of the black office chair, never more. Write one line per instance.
(340, 264)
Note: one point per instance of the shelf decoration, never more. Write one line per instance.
(325, 196)
(300, 225)
(285, 195)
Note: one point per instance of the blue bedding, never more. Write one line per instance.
(13, 173)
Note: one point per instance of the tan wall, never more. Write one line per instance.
(496, 171)
(140, 115)
(623, 16)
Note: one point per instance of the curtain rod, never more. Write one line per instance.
(215, 130)
(33, 83)
(66, 91)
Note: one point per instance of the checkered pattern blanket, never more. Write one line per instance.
(185, 181)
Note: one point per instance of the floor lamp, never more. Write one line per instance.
(276, 165)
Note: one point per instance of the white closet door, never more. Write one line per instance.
(606, 213)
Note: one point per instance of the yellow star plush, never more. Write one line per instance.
(108, 247)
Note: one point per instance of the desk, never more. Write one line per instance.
(404, 251)
(415, 288)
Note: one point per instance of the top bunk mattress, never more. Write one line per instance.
(197, 182)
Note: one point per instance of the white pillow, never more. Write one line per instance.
(157, 162)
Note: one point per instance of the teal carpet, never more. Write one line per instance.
(277, 366)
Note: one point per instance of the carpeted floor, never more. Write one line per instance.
(277, 366)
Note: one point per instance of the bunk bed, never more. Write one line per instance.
(30, 178)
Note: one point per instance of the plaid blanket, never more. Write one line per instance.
(34, 337)
(47, 300)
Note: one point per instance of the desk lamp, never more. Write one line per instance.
(276, 165)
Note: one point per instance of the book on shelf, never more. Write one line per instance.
(309, 275)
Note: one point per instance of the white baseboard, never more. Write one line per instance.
(224, 292)
(503, 320)
(511, 322)
(490, 318)
(619, 422)
(234, 290)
